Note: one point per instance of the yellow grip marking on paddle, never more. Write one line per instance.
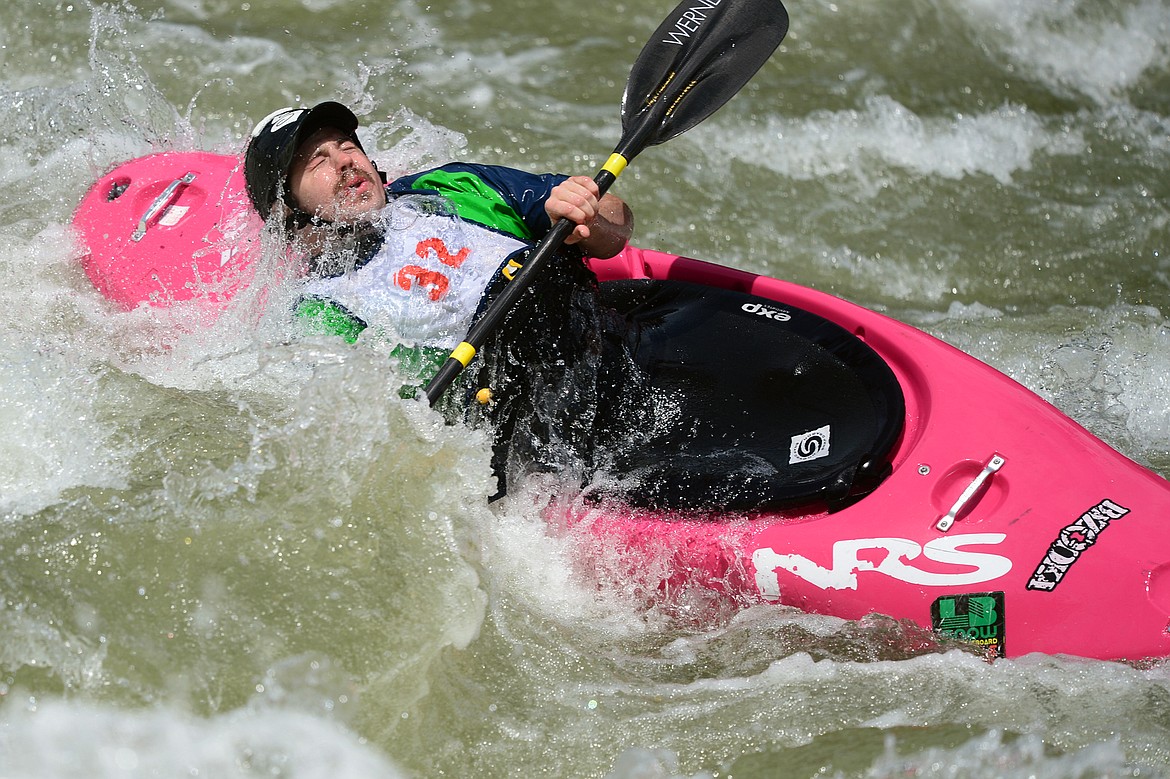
(511, 269)
(464, 353)
(615, 164)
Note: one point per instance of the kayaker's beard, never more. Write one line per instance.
(333, 248)
(368, 203)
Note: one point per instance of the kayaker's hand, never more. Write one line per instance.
(603, 226)
(574, 199)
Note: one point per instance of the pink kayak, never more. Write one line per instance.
(169, 228)
(1003, 521)
(989, 515)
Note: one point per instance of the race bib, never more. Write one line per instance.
(426, 280)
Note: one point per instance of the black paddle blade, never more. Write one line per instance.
(697, 59)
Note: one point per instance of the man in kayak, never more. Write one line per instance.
(418, 257)
(414, 255)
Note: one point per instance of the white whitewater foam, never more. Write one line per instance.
(1080, 47)
(58, 740)
(866, 144)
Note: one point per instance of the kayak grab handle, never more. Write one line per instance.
(160, 202)
(994, 464)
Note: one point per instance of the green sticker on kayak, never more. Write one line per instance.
(974, 617)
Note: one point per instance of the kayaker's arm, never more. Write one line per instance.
(603, 227)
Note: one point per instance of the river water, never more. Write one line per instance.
(229, 551)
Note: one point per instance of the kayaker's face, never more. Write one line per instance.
(332, 178)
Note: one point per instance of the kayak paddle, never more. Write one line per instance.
(698, 58)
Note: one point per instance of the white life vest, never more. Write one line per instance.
(425, 282)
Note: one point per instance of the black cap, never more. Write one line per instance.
(274, 142)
